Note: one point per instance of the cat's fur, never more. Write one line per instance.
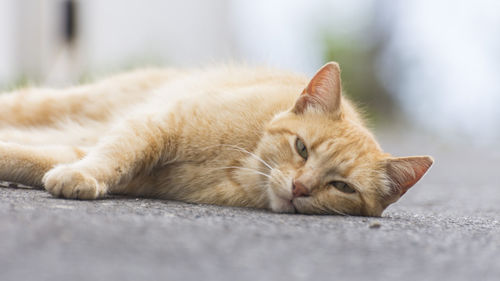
(225, 136)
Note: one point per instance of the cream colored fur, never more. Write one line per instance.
(223, 136)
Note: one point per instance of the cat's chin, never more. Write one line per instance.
(283, 206)
(279, 204)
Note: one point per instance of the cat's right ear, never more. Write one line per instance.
(323, 93)
(404, 172)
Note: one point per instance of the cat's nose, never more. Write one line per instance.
(299, 189)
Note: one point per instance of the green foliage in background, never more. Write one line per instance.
(132, 63)
(358, 64)
(21, 82)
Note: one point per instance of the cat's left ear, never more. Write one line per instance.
(323, 92)
(404, 172)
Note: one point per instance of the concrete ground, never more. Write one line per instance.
(445, 228)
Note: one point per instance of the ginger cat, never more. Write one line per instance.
(228, 136)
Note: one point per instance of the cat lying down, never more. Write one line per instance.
(236, 136)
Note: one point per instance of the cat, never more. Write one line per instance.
(232, 135)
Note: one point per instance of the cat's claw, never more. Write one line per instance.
(68, 182)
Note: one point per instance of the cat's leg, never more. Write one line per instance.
(136, 146)
(98, 101)
(67, 133)
(27, 164)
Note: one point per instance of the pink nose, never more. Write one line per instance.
(299, 189)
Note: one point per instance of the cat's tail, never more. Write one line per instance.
(26, 165)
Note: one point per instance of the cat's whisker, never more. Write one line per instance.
(339, 212)
(278, 180)
(336, 211)
(278, 170)
(281, 176)
(245, 169)
(240, 149)
(253, 155)
(237, 148)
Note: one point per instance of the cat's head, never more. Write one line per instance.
(324, 161)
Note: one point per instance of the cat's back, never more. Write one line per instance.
(228, 98)
(237, 94)
(232, 91)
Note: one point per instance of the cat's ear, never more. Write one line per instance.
(404, 172)
(323, 91)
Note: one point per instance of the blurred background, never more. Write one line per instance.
(430, 65)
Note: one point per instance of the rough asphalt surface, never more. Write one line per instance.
(445, 228)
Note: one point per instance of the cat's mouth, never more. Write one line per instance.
(288, 205)
(282, 199)
(295, 211)
(291, 206)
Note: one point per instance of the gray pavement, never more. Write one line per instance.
(445, 228)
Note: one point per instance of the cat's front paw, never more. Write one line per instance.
(69, 182)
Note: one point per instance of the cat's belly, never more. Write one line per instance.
(177, 181)
(181, 180)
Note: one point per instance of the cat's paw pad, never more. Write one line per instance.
(68, 182)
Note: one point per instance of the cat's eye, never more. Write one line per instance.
(301, 148)
(342, 186)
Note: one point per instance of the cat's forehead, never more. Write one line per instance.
(326, 136)
(340, 135)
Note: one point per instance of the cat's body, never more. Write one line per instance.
(228, 136)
